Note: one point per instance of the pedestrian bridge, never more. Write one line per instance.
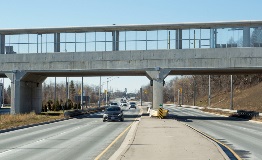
(29, 56)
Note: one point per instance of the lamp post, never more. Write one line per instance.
(3, 92)
(108, 80)
(106, 89)
(99, 93)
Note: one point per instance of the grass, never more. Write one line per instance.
(11, 121)
(244, 99)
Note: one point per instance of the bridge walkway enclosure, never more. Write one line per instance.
(29, 56)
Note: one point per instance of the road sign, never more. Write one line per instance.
(160, 113)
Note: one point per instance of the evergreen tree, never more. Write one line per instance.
(72, 91)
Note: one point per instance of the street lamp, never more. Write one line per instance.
(106, 89)
(108, 80)
(99, 103)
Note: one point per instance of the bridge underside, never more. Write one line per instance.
(28, 71)
(119, 72)
(27, 86)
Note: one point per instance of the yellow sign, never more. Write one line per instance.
(105, 91)
(160, 113)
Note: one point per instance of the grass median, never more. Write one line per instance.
(10, 121)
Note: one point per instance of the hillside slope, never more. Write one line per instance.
(247, 99)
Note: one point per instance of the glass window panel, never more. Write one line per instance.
(109, 46)
(130, 45)
(141, 45)
(151, 45)
(100, 46)
(100, 37)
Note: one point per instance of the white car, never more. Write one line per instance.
(123, 104)
(113, 104)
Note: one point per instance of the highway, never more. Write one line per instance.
(244, 137)
(84, 137)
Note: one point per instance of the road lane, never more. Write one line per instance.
(84, 137)
(244, 137)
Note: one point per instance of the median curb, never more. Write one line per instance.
(131, 146)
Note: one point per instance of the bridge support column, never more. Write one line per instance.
(2, 44)
(246, 37)
(26, 92)
(213, 38)
(56, 42)
(158, 77)
(115, 40)
(179, 39)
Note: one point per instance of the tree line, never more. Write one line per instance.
(187, 88)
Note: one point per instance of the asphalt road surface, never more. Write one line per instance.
(84, 137)
(244, 137)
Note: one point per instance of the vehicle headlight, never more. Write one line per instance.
(120, 114)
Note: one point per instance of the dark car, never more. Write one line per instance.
(132, 106)
(113, 114)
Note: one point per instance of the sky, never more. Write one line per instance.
(65, 13)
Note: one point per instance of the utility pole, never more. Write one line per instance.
(82, 93)
(182, 93)
(231, 96)
(55, 92)
(66, 93)
(209, 91)
(3, 92)
(194, 97)
(99, 93)
(106, 89)
(178, 99)
(141, 95)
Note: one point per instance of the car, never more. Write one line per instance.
(132, 103)
(123, 104)
(113, 104)
(113, 114)
(132, 106)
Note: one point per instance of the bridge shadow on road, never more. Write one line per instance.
(242, 153)
(101, 116)
(192, 118)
